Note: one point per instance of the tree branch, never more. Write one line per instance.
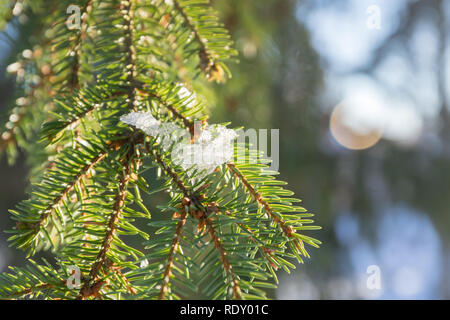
(131, 69)
(287, 230)
(223, 257)
(88, 290)
(31, 290)
(74, 81)
(173, 249)
(207, 64)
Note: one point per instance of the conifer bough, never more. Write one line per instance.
(223, 234)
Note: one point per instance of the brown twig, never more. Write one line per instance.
(268, 253)
(207, 64)
(190, 125)
(131, 68)
(74, 79)
(287, 230)
(72, 123)
(223, 257)
(28, 291)
(173, 249)
(57, 200)
(88, 290)
(202, 216)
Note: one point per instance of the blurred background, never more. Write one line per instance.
(360, 90)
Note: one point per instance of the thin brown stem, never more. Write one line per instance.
(287, 230)
(131, 69)
(31, 290)
(87, 289)
(73, 123)
(170, 262)
(207, 63)
(118, 272)
(188, 123)
(224, 258)
(171, 173)
(74, 78)
(203, 219)
(268, 253)
(81, 174)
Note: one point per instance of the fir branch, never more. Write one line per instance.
(83, 103)
(171, 173)
(170, 107)
(205, 58)
(74, 81)
(223, 257)
(118, 272)
(201, 20)
(64, 193)
(257, 197)
(202, 217)
(87, 289)
(34, 280)
(33, 220)
(267, 252)
(28, 291)
(136, 51)
(173, 249)
(287, 230)
(127, 8)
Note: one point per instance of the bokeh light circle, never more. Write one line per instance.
(347, 135)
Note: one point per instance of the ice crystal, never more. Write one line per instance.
(142, 120)
(185, 93)
(212, 147)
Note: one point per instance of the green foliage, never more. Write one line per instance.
(222, 236)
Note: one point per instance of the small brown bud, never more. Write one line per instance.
(289, 231)
(176, 215)
(186, 201)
